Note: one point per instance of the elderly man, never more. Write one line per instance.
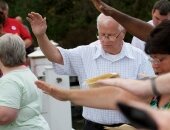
(108, 54)
(131, 24)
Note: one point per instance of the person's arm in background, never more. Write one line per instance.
(131, 24)
(39, 27)
(102, 97)
(140, 87)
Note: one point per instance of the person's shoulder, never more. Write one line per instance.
(134, 49)
(87, 49)
(90, 45)
(136, 52)
(12, 19)
(137, 42)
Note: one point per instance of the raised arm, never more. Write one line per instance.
(104, 97)
(39, 26)
(134, 26)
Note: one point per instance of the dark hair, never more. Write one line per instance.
(158, 41)
(163, 6)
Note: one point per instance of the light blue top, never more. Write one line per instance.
(91, 60)
(17, 90)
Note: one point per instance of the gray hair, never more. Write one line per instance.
(103, 19)
(12, 50)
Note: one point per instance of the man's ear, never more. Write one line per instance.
(123, 33)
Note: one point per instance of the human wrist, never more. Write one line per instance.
(51, 91)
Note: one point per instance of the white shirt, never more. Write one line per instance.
(91, 60)
(139, 43)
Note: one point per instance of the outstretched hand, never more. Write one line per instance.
(54, 91)
(44, 86)
(38, 23)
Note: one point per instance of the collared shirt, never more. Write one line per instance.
(91, 60)
(139, 43)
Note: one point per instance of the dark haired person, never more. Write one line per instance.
(158, 47)
(160, 12)
(11, 25)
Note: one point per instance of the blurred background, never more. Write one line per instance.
(73, 22)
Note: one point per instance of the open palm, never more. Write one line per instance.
(38, 23)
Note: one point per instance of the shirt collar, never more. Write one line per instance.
(99, 51)
(125, 52)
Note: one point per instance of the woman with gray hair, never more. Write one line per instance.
(20, 100)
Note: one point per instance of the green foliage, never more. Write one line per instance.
(73, 22)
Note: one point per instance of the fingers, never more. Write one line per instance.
(34, 17)
(43, 86)
(97, 4)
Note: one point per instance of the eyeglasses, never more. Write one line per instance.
(110, 37)
(158, 59)
(155, 60)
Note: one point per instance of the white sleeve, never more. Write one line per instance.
(138, 43)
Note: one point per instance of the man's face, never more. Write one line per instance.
(111, 37)
(161, 63)
(157, 18)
